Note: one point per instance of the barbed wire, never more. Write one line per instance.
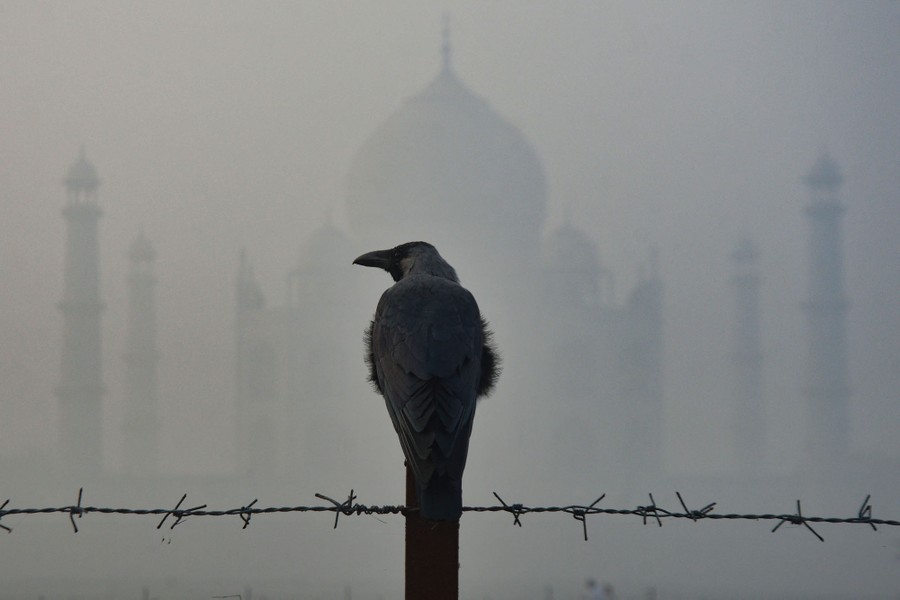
(350, 507)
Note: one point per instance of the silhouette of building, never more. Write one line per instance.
(826, 388)
(448, 169)
(141, 426)
(747, 359)
(641, 357)
(600, 361)
(286, 387)
(80, 390)
(256, 373)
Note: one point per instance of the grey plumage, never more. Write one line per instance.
(430, 355)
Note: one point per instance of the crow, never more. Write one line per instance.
(431, 355)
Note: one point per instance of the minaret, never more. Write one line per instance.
(826, 385)
(255, 426)
(643, 354)
(141, 360)
(80, 390)
(749, 431)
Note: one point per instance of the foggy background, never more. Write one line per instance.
(681, 126)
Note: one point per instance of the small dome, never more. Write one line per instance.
(249, 294)
(312, 282)
(745, 251)
(824, 175)
(82, 175)
(570, 249)
(572, 271)
(325, 247)
(141, 250)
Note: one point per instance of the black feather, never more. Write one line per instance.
(370, 358)
(490, 363)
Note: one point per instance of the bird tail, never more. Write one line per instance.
(441, 499)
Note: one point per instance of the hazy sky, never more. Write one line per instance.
(679, 125)
(218, 125)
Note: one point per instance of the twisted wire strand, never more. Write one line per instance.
(350, 507)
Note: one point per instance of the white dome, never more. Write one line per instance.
(572, 270)
(570, 249)
(449, 170)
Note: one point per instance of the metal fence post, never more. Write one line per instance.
(432, 552)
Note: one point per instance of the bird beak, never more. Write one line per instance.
(378, 258)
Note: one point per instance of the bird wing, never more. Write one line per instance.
(427, 341)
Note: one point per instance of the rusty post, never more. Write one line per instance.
(432, 553)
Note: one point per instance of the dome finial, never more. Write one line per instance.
(446, 50)
(567, 207)
(141, 248)
(824, 175)
(81, 176)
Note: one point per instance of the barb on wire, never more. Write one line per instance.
(245, 513)
(346, 507)
(76, 510)
(695, 514)
(8, 529)
(515, 509)
(180, 514)
(865, 513)
(168, 514)
(580, 514)
(652, 509)
(797, 520)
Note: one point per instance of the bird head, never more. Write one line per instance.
(409, 259)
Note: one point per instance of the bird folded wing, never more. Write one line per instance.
(429, 348)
